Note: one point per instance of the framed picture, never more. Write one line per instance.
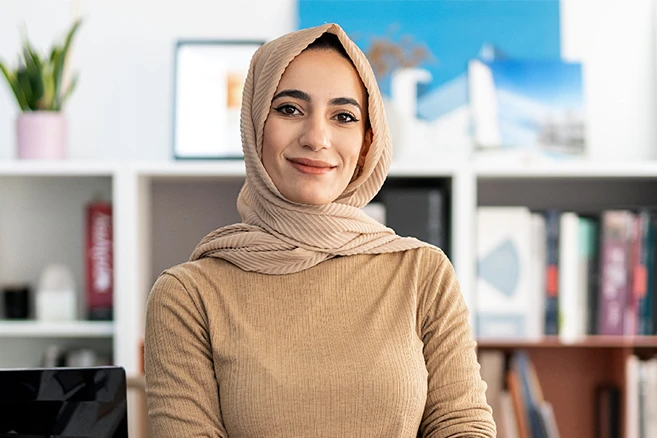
(208, 82)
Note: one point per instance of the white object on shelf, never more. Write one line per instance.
(75, 329)
(56, 295)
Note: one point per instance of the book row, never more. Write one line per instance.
(565, 273)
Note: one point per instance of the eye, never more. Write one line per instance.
(287, 110)
(345, 117)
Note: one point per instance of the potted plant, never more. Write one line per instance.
(41, 89)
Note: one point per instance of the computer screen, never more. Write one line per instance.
(63, 403)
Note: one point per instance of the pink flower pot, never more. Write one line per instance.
(41, 135)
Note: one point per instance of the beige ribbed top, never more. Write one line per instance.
(357, 346)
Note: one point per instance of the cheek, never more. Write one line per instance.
(270, 145)
(352, 143)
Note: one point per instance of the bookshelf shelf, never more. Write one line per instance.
(174, 170)
(63, 168)
(77, 329)
(568, 169)
(588, 342)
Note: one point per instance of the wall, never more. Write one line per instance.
(122, 108)
(124, 51)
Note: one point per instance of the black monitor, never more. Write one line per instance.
(63, 403)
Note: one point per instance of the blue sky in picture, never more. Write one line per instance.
(556, 84)
(454, 31)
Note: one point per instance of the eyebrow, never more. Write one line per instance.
(302, 95)
(297, 94)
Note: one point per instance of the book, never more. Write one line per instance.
(635, 278)
(588, 274)
(506, 307)
(632, 417)
(507, 425)
(518, 401)
(607, 411)
(650, 400)
(552, 221)
(548, 419)
(612, 303)
(590, 232)
(537, 260)
(532, 393)
(99, 261)
(571, 296)
(646, 296)
(418, 212)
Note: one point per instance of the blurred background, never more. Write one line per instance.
(524, 141)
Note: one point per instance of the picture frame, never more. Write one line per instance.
(208, 81)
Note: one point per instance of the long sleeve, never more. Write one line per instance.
(456, 401)
(183, 395)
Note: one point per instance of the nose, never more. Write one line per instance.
(315, 135)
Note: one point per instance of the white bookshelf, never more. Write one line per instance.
(183, 200)
(28, 168)
(190, 169)
(568, 169)
(75, 329)
(42, 209)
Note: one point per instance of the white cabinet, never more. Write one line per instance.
(162, 210)
(42, 221)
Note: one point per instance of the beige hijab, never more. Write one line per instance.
(281, 237)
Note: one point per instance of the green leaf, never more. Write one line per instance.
(69, 90)
(34, 69)
(48, 89)
(23, 78)
(13, 83)
(60, 60)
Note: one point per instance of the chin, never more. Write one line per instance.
(313, 198)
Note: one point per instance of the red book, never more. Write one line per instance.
(99, 261)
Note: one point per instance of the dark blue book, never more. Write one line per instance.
(552, 218)
(644, 275)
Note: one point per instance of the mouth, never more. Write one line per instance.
(311, 167)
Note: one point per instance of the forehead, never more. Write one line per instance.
(323, 72)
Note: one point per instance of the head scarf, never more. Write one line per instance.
(278, 236)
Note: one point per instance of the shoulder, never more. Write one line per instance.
(426, 261)
(201, 270)
(196, 280)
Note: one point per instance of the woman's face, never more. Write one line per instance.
(315, 132)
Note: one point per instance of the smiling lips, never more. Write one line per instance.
(311, 167)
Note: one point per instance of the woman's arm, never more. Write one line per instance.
(183, 394)
(456, 399)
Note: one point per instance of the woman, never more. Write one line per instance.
(310, 319)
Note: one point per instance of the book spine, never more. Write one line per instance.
(635, 276)
(593, 284)
(436, 219)
(99, 261)
(537, 263)
(569, 311)
(552, 273)
(613, 290)
(641, 275)
(651, 300)
(607, 413)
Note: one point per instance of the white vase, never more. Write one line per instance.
(41, 135)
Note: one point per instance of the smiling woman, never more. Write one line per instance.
(309, 318)
(316, 133)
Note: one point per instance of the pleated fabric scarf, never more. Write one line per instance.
(278, 236)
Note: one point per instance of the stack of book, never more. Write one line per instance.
(514, 392)
(565, 273)
(641, 392)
